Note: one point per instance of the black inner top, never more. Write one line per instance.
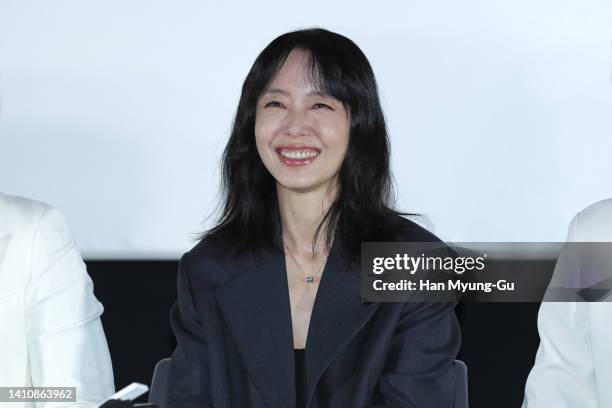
(300, 380)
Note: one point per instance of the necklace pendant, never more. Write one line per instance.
(310, 279)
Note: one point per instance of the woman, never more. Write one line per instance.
(306, 179)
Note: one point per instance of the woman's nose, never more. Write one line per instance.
(296, 123)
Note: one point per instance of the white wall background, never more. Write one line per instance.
(500, 112)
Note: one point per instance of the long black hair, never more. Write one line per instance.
(363, 208)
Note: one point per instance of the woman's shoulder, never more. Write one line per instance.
(214, 260)
(411, 231)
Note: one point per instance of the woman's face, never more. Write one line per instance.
(301, 135)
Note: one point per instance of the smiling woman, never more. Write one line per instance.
(301, 132)
(269, 310)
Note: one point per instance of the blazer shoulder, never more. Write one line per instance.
(211, 248)
(211, 260)
(410, 231)
(22, 205)
(18, 214)
(594, 223)
(599, 210)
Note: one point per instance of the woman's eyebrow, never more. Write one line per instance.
(286, 93)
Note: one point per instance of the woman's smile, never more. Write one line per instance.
(297, 155)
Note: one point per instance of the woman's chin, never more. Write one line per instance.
(299, 186)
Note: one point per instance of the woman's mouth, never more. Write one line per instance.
(297, 155)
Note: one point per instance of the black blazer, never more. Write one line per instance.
(232, 323)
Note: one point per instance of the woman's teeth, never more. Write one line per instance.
(299, 154)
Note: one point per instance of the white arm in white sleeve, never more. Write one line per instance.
(66, 342)
(563, 373)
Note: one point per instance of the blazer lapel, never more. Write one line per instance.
(338, 315)
(255, 305)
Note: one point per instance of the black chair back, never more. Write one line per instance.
(157, 393)
(461, 381)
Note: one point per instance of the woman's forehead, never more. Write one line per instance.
(285, 83)
(296, 74)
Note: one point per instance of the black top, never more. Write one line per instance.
(300, 380)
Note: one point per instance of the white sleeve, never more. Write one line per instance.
(66, 342)
(563, 374)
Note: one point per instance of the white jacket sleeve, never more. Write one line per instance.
(563, 374)
(67, 346)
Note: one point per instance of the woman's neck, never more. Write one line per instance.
(301, 213)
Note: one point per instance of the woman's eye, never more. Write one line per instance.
(273, 104)
(321, 105)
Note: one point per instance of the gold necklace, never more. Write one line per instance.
(308, 278)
